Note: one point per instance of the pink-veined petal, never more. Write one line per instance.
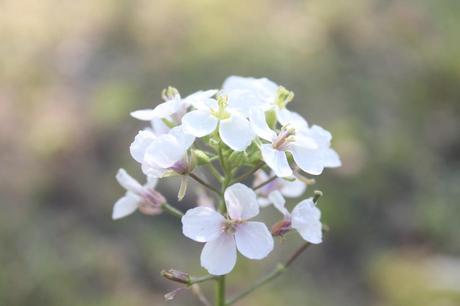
(254, 240)
(236, 132)
(305, 218)
(202, 224)
(125, 206)
(241, 202)
(219, 256)
(199, 123)
(276, 160)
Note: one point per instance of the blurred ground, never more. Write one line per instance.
(383, 76)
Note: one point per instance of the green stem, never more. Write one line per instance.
(171, 210)
(201, 279)
(265, 183)
(279, 269)
(246, 175)
(199, 180)
(220, 291)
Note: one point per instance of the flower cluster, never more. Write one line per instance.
(227, 140)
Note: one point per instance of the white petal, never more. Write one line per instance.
(159, 127)
(164, 151)
(276, 160)
(278, 201)
(128, 182)
(125, 206)
(151, 182)
(287, 117)
(152, 170)
(199, 96)
(236, 132)
(263, 202)
(309, 161)
(140, 144)
(202, 224)
(219, 256)
(199, 123)
(305, 219)
(331, 159)
(254, 240)
(321, 135)
(265, 89)
(184, 139)
(259, 125)
(293, 189)
(168, 108)
(241, 202)
(242, 101)
(144, 114)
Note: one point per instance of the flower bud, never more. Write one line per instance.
(284, 97)
(169, 93)
(201, 157)
(176, 276)
(281, 227)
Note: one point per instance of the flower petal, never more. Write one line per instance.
(287, 117)
(263, 88)
(254, 240)
(331, 159)
(125, 206)
(309, 161)
(144, 114)
(259, 125)
(202, 224)
(184, 139)
(164, 151)
(199, 123)
(305, 218)
(236, 132)
(241, 202)
(276, 160)
(293, 189)
(128, 182)
(219, 256)
(168, 108)
(140, 144)
(198, 97)
(278, 201)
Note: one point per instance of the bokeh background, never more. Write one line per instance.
(383, 76)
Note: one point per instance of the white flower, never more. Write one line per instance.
(225, 235)
(305, 219)
(225, 113)
(310, 147)
(163, 154)
(174, 107)
(269, 94)
(144, 198)
(275, 191)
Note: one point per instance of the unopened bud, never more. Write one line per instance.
(201, 157)
(176, 276)
(316, 195)
(169, 93)
(284, 97)
(281, 227)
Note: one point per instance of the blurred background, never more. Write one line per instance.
(383, 76)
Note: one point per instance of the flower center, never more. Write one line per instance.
(221, 111)
(230, 226)
(286, 136)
